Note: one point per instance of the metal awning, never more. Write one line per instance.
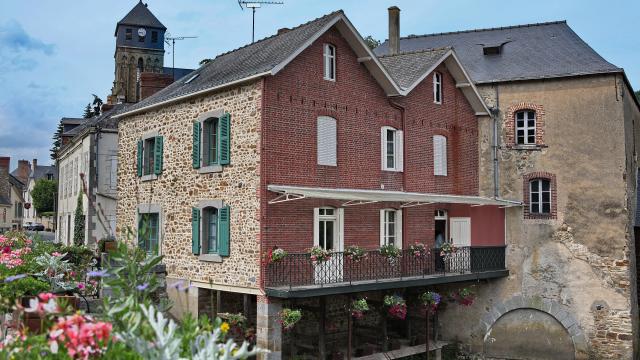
(360, 196)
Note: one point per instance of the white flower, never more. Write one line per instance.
(33, 305)
(51, 306)
(54, 347)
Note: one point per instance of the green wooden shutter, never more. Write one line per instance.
(225, 139)
(196, 145)
(157, 161)
(140, 155)
(223, 231)
(195, 231)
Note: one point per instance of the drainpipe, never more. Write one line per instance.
(495, 112)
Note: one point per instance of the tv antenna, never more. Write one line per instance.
(253, 5)
(171, 40)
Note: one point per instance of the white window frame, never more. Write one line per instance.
(525, 126)
(327, 141)
(384, 234)
(437, 88)
(329, 62)
(539, 181)
(439, 155)
(338, 228)
(441, 214)
(398, 149)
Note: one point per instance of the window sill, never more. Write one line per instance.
(210, 169)
(210, 258)
(527, 147)
(392, 170)
(148, 177)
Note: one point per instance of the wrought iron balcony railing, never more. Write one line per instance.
(296, 270)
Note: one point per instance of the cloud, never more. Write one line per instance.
(17, 47)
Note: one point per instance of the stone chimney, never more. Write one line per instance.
(23, 171)
(283, 30)
(394, 30)
(5, 185)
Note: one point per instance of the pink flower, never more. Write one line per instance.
(55, 253)
(81, 286)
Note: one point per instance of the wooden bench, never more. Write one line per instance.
(435, 346)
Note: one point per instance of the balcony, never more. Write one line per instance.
(296, 276)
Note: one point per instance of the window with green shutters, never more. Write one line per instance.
(210, 230)
(150, 156)
(148, 229)
(211, 141)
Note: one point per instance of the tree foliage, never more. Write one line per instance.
(638, 95)
(57, 141)
(371, 42)
(204, 61)
(78, 221)
(93, 108)
(44, 195)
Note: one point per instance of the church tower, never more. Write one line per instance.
(139, 48)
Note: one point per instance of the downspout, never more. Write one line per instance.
(495, 112)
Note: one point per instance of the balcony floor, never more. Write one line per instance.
(304, 291)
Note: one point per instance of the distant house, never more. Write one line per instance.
(35, 172)
(11, 198)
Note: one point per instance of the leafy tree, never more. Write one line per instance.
(44, 195)
(78, 222)
(88, 112)
(97, 105)
(204, 61)
(371, 42)
(57, 141)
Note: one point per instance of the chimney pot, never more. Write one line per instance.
(394, 30)
(35, 165)
(4, 162)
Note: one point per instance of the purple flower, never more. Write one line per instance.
(99, 273)
(9, 279)
(142, 287)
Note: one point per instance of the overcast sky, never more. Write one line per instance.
(55, 54)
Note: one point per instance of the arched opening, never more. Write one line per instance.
(528, 333)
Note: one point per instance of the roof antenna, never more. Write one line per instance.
(171, 40)
(253, 5)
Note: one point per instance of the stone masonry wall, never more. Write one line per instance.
(180, 187)
(578, 266)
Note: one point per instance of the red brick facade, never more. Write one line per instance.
(295, 97)
(554, 194)
(510, 123)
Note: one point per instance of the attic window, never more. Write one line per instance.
(191, 78)
(492, 50)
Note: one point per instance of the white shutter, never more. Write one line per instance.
(316, 229)
(383, 147)
(440, 155)
(382, 227)
(399, 150)
(327, 141)
(399, 229)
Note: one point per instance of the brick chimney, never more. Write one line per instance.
(394, 30)
(5, 185)
(151, 83)
(23, 171)
(35, 165)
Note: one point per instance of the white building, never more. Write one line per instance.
(88, 165)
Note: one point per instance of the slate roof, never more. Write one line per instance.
(533, 51)
(140, 15)
(104, 121)
(42, 171)
(16, 182)
(180, 72)
(406, 68)
(5, 200)
(259, 57)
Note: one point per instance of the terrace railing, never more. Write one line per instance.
(296, 270)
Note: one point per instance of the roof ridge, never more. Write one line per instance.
(488, 29)
(417, 51)
(333, 13)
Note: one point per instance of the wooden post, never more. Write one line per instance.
(349, 336)
(426, 335)
(247, 305)
(321, 335)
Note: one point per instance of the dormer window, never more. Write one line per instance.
(437, 88)
(329, 62)
(491, 50)
(128, 34)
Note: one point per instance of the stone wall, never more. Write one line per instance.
(180, 187)
(577, 265)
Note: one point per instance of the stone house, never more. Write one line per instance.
(35, 172)
(11, 198)
(88, 163)
(304, 139)
(561, 139)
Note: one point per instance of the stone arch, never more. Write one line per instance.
(545, 321)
